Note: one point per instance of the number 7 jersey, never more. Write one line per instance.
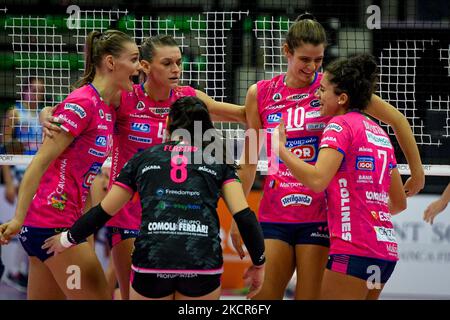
(358, 213)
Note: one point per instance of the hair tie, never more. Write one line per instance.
(306, 16)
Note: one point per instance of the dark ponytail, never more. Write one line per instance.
(97, 45)
(89, 68)
(357, 76)
(306, 29)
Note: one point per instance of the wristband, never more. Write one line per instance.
(64, 240)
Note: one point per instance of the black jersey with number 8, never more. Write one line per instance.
(179, 189)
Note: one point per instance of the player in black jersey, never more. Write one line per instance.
(178, 253)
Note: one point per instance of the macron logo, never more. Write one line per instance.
(140, 127)
(274, 118)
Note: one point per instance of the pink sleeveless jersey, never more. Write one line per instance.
(358, 215)
(140, 124)
(63, 189)
(286, 200)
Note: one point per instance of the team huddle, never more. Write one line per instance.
(325, 212)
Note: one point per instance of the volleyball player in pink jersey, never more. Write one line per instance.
(356, 166)
(293, 216)
(56, 184)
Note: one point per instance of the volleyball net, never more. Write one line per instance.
(225, 50)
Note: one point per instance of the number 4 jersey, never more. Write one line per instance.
(140, 124)
(358, 214)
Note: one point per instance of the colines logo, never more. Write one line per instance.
(365, 163)
(140, 127)
(139, 139)
(96, 153)
(296, 199)
(274, 117)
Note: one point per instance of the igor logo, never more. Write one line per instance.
(274, 118)
(306, 152)
(365, 163)
(101, 141)
(140, 127)
(304, 148)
